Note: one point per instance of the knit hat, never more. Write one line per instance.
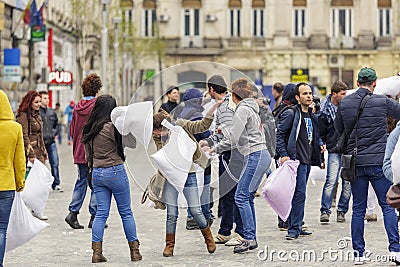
(192, 93)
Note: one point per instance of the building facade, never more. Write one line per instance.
(320, 41)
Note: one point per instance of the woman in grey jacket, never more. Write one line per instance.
(247, 135)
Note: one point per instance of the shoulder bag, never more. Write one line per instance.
(348, 171)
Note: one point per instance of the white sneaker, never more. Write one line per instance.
(359, 260)
(40, 217)
(395, 257)
(58, 189)
(235, 240)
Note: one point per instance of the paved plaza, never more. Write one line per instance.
(59, 245)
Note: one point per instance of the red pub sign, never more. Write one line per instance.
(60, 80)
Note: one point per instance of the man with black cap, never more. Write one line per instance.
(370, 131)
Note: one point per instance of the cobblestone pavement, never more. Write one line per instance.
(59, 245)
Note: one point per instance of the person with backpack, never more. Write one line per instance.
(298, 139)
(330, 137)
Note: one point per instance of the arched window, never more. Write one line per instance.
(342, 3)
(299, 3)
(234, 14)
(191, 3)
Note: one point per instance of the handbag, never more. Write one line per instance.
(90, 170)
(393, 196)
(154, 191)
(348, 170)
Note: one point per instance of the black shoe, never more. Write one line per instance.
(91, 222)
(245, 246)
(304, 233)
(72, 220)
(191, 224)
(324, 218)
(291, 237)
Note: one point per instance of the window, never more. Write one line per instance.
(258, 22)
(342, 22)
(149, 22)
(234, 22)
(127, 21)
(192, 22)
(384, 22)
(299, 18)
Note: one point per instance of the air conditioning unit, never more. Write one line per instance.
(164, 18)
(336, 61)
(211, 18)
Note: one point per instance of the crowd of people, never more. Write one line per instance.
(239, 131)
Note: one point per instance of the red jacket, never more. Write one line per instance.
(80, 115)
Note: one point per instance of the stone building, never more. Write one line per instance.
(273, 40)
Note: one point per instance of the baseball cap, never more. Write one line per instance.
(367, 75)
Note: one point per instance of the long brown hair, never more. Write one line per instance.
(26, 102)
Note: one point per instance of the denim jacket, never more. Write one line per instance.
(390, 145)
(288, 131)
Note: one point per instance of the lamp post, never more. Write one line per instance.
(116, 21)
(104, 44)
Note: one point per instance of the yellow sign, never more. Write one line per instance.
(299, 75)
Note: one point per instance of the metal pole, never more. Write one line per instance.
(116, 92)
(104, 49)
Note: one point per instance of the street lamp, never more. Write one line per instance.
(104, 44)
(116, 21)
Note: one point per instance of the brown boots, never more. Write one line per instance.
(169, 245)
(211, 247)
(135, 253)
(98, 252)
(170, 242)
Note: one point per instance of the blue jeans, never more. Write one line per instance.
(6, 201)
(204, 199)
(256, 165)
(60, 133)
(359, 189)
(192, 197)
(53, 159)
(107, 182)
(330, 184)
(78, 196)
(296, 215)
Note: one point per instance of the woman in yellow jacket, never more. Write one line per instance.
(12, 166)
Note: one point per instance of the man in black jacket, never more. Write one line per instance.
(50, 131)
(368, 140)
(329, 136)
